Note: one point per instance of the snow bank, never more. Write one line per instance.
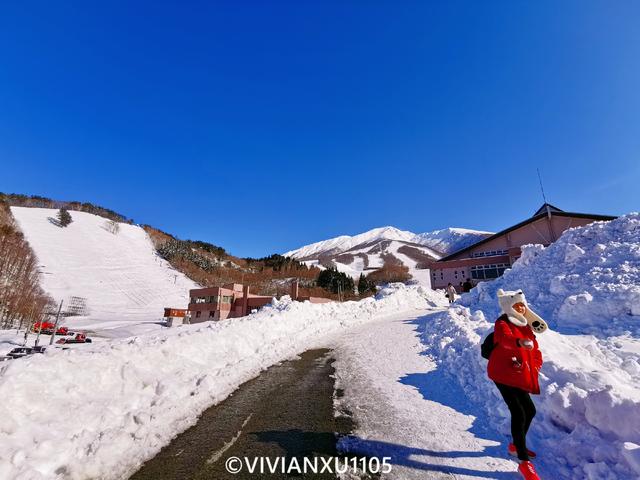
(101, 413)
(120, 274)
(588, 423)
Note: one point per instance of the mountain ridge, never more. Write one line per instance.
(443, 241)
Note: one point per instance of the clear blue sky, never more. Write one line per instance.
(263, 126)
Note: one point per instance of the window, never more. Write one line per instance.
(199, 300)
(212, 313)
(227, 298)
(486, 272)
(490, 253)
(198, 313)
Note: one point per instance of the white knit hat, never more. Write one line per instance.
(508, 299)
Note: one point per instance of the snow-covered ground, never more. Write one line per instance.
(587, 286)
(101, 411)
(125, 283)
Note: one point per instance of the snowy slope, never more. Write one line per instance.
(587, 286)
(129, 397)
(120, 275)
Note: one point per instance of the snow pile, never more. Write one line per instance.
(101, 412)
(119, 274)
(588, 423)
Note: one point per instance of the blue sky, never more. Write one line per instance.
(263, 126)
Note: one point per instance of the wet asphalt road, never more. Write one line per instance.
(285, 412)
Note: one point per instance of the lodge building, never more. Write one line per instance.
(233, 300)
(490, 257)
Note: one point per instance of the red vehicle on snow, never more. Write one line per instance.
(47, 328)
(79, 338)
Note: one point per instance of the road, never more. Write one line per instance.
(287, 411)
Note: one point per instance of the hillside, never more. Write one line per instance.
(386, 246)
(120, 275)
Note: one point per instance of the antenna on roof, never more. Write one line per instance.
(541, 186)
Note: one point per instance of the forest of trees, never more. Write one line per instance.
(334, 281)
(22, 301)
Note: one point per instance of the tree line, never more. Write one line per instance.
(22, 301)
(19, 200)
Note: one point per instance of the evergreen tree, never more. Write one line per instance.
(334, 281)
(64, 217)
(365, 285)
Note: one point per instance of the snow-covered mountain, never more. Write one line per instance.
(370, 250)
(120, 275)
(452, 239)
(445, 241)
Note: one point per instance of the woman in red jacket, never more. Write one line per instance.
(513, 365)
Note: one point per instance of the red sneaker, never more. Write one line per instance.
(528, 471)
(512, 451)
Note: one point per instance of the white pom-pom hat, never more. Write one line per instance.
(508, 299)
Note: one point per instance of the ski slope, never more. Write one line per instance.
(124, 281)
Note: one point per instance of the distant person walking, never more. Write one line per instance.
(514, 363)
(467, 286)
(451, 293)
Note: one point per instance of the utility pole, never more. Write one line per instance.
(546, 205)
(55, 326)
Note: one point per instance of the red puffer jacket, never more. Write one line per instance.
(521, 373)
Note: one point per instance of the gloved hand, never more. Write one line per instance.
(526, 344)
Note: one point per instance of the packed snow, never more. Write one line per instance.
(123, 280)
(129, 397)
(587, 286)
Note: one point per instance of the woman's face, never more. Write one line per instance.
(520, 308)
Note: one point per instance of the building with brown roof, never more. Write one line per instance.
(490, 257)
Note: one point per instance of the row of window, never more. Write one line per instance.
(492, 253)
(212, 299)
(484, 272)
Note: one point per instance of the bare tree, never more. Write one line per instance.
(112, 226)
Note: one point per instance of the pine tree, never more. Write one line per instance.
(365, 285)
(334, 281)
(64, 217)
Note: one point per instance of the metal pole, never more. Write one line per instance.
(55, 326)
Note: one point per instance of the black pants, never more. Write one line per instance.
(522, 412)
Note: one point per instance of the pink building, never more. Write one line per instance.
(232, 300)
(489, 258)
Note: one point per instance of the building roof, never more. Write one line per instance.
(543, 209)
(540, 213)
